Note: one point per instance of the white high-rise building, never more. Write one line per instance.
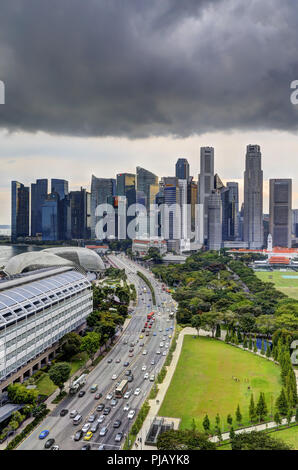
(206, 181)
(253, 198)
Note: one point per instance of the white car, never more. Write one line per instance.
(101, 419)
(144, 367)
(137, 391)
(164, 353)
(131, 414)
(166, 345)
(153, 362)
(126, 407)
(144, 352)
(127, 394)
(158, 352)
(161, 345)
(152, 378)
(160, 329)
(146, 376)
(109, 396)
(86, 427)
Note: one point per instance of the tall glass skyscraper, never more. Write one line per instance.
(101, 189)
(280, 207)
(80, 214)
(19, 210)
(182, 169)
(253, 198)
(50, 218)
(39, 192)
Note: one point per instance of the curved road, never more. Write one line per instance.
(61, 428)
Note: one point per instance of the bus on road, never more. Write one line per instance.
(121, 389)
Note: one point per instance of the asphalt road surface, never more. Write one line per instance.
(62, 428)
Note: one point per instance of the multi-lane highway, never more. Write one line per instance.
(61, 428)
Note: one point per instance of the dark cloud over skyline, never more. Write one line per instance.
(140, 68)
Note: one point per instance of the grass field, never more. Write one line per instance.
(287, 286)
(202, 382)
(289, 436)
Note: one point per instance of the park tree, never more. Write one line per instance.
(282, 403)
(252, 409)
(229, 420)
(217, 420)
(257, 440)
(59, 373)
(184, 440)
(261, 408)
(232, 433)
(277, 418)
(218, 331)
(268, 350)
(90, 344)
(238, 415)
(250, 346)
(255, 346)
(245, 342)
(263, 347)
(196, 322)
(289, 417)
(70, 345)
(206, 424)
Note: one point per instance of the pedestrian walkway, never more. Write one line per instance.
(257, 427)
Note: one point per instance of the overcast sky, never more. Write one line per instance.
(101, 86)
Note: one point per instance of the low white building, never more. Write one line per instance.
(141, 247)
(36, 310)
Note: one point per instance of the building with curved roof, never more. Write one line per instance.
(79, 257)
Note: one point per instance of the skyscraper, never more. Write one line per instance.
(60, 187)
(206, 182)
(253, 198)
(234, 201)
(101, 189)
(39, 192)
(280, 211)
(148, 183)
(295, 222)
(80, 214)
(50, 217)
(19, 210)
(182, 169)
(214, 221)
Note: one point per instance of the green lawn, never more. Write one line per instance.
(46, 387)
(287, 286)
(290, 436)
(202, 382)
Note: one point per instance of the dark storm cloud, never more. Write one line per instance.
(147, 67)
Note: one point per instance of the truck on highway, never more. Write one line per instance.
(77, 384)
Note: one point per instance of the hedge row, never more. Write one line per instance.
(28, 429)
(146, 280)
(137, 425)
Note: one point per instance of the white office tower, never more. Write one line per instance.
(214, 221)
(253, 198)
(269, 243)
(206, 182)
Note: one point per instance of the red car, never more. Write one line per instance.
(149, 326)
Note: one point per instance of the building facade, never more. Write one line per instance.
(39, 192)
(19, 210)
(253, 198)
(214, 221)
(182, 169)
(101, 189)
(280, 211)
(36, 310)
(206, 182)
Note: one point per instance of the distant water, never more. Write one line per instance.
(7, 252)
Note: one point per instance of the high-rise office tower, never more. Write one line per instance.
(171, 219)
(19, 210)
(147, 183)
(80, 214)
(50, 218)
(101, 189)
(182, 169)
(234, 207)
(253, 198)
(229, 213)
(60, 187)
(39, 193)
(192, 199)
(280, 211)
(206, 182)
(214, 221)
(126, 187)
